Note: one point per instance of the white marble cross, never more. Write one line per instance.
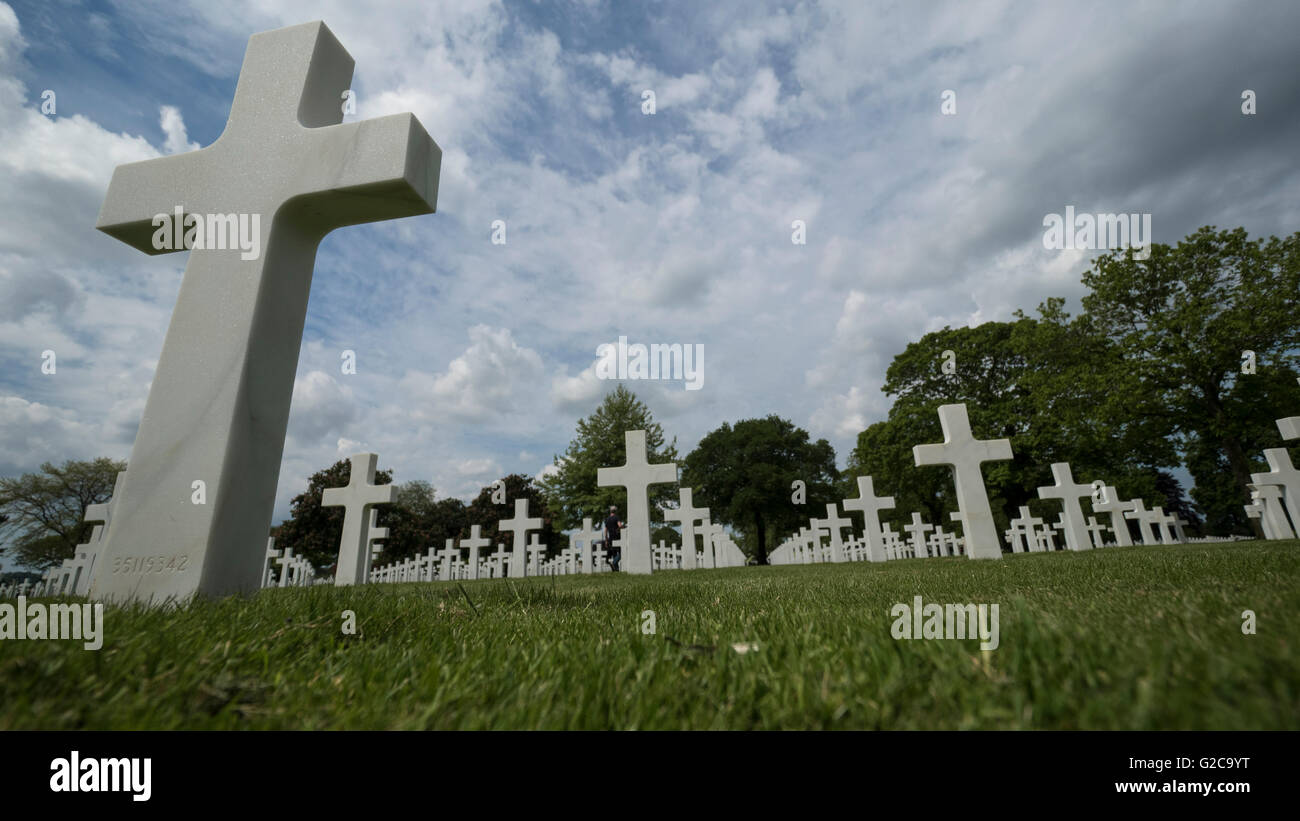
(1069, 492)
(835, 523)
(1283, 474)
(917, 529)
(519, 526)
(1289, 427)
(374, 533)
(271, 553)
(1110, 503)
(956, 544)
(286, 563)
(360, 494)
(1256, 510)
(965, 454)
(1023, 534)
(1047, 539)
(815, 531)
(1271, 497)
(938, 543)
(424, 565)
(1096, 531)
(1178, 524)
(893, 542)
(218, 406)
(687, 514)
(450, 556)
(499, 561)
(588, 537)
(1162, 521)
(101, 513)
(636, 476)
(1144, 518)
(537, 550)
(713, 535)
(474, 543)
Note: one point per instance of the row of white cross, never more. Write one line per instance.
(361, 495)
(464, 559)
(1274, 495)
(1275, 501)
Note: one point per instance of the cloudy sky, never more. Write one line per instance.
(476, 359)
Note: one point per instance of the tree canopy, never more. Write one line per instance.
(1190, 323)
(745, 473)
(42, 514)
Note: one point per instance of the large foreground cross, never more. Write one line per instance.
(964, 453)
(637, 476)
(219, 403)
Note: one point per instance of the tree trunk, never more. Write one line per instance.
(760, 550)
(1237, 460)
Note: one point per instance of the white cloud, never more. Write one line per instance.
(672, 228)
(173, 126)
(322, 407)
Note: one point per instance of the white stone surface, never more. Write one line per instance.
(917, 530)
(1097, 532)
(520, 525)
(636, 476)
(1271, 497)
(474, 544)
(268, 570)
(1117, 509)
(1145, 519)
(1289, 427)
(965, 454)
(356, 499)
(1069, 492)
(375, 535)
(1023, 534)
(1283, 474)
(589, 538)
(835, 524)
(1255, 510)
(218, 405)
(687, 514)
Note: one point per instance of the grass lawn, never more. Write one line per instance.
(1120, 638)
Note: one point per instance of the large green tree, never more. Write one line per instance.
(744, 473)
(1036, 381)
(1184, 320)
(571, 491)
(42, 514)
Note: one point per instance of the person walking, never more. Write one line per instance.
(612, 529)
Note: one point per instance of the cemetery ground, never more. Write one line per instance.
(1117, 638)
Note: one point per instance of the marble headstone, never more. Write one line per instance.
(965, 454)
(218, 406)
